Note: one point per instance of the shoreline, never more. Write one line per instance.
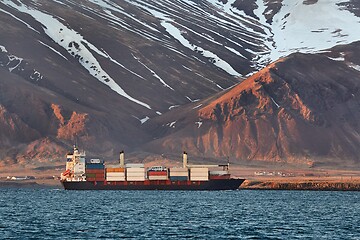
(305, 184)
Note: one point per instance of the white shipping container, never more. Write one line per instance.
(115, 179)
(135, 170)
(178, 169)
(115, 174)
(134, 165)
(199, 179)
(199, 169)
(199, 175)
(199, 172)
(179, 174)
(136, 178)
(158, 178)
(136, 175)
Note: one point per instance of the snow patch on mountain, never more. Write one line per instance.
(172, 124)
(12, 62)
(153, 73)
(25, 23)
(54, 50)
(3, 49)
(144, 119)
(76, 45)
(354, 66)
(197, 106)
(306, 28)
(176, 33)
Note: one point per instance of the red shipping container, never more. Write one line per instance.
(95, 171)
(157, 173)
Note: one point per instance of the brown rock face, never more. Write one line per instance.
(303, 108)
(74, 126)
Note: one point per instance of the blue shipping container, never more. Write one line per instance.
(178, 178)
(95, 166)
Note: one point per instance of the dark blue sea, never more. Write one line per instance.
(244, 214)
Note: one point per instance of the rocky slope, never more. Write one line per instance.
(300, 109)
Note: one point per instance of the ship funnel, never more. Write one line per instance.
(184, 159)
(122, 159)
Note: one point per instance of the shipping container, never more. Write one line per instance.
(115, 174)
(135, 165)
(178, 169)
(90, 175)
(135, 178)
(135, 175)
(179, 178)
(94, 171)
(199, 178)
(179, 174)
(158, 177)
(95, 166)
(115, 179)
(135, 170)
(115, 169)
(157, 173)
(199, 170)
(199, 174)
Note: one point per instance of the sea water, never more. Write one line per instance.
(243, 214)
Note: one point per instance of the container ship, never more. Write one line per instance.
(94, 174)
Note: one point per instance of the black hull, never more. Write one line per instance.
(222, 184)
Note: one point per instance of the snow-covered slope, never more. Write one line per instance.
(123, 63)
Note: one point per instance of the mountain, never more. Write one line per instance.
(301, 109)
(105, 73)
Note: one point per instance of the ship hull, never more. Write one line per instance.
(210, 185)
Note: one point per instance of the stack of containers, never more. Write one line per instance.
(199, 174)
(158, 175)
(95, 170)
(213, 175)
(115, 173)
(179, 174)
(135, 172)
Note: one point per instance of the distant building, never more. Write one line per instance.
(20, 178)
